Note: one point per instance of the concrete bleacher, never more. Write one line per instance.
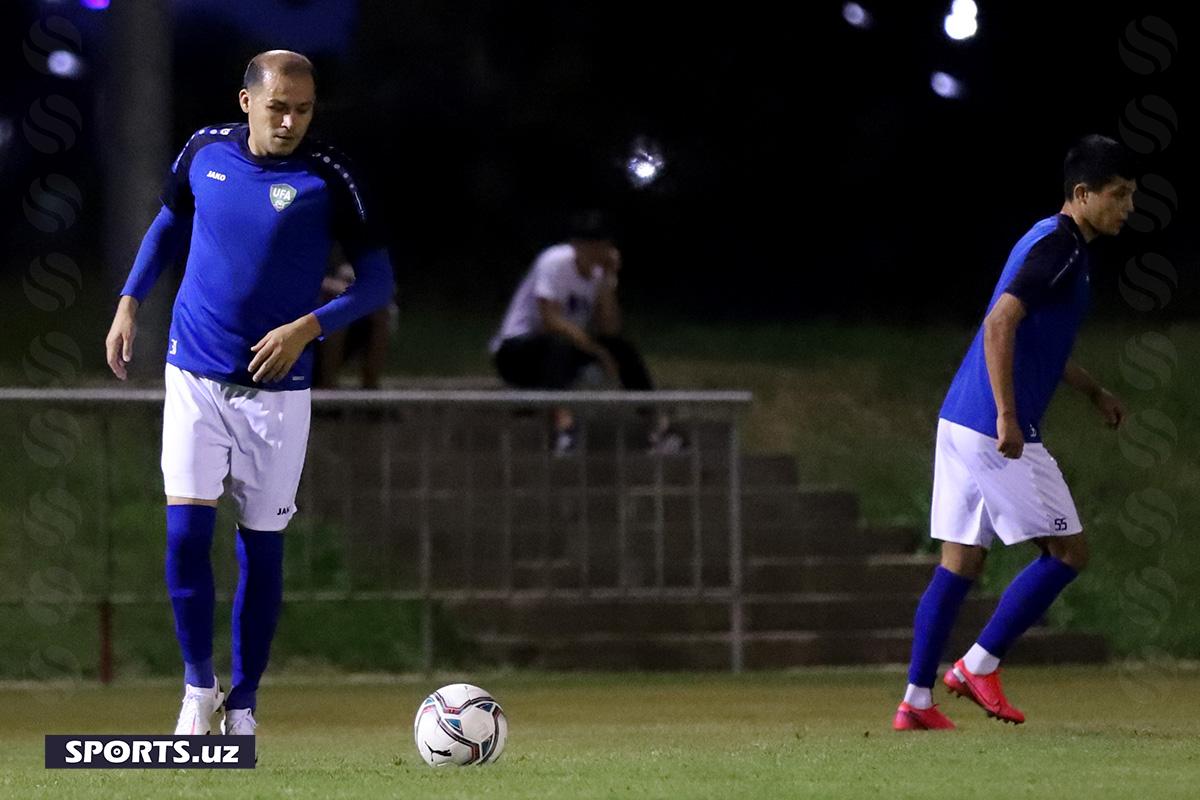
(574, 563)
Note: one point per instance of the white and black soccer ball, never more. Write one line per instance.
(460, 724)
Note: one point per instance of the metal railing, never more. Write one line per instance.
(437, 496)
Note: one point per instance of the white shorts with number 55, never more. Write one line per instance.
(979, 495)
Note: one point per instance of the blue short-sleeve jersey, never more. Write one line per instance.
(1048, 271)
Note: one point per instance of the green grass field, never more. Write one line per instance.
(1093, 733)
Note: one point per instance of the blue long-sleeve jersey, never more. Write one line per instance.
(262, 230)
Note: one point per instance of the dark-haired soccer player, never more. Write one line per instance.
(262, 206)
(993, 477)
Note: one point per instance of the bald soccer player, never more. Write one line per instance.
(262, 206)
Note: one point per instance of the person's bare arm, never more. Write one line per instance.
(999, 343)
(607, 318)
(1105, 401)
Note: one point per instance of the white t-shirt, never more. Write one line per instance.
(555, 277)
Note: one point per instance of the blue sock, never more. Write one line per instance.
(934, 620)
(1024, 602)
(255, 611)
(190, 587)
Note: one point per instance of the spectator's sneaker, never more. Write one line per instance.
(200, 706)
(667, 442)
(566, 442)
(239, 722)
(909, 718)
(984, 690)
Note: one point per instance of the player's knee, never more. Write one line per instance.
(1071, 550)
(963, 560)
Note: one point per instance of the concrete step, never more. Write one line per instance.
(764, 650)
(478, 430)
(778, 511)
(771, 541)
(536, 617)
(770, 469)
(383, 533)
(887, 573)
(364, 466)
(379, 553)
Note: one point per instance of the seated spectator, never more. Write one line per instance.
(565, 317)
(367, 336)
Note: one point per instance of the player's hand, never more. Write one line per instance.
(1110, 408)
(118, 345)
(277, 352)
(1009, 439)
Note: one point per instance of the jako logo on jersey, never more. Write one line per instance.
(282, 195)
(174, 345)
(216, 176)
(283, 511)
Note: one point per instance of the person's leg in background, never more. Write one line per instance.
(544, 361)
(330, 355)
(633, 373)
(376, 348)
(635, 376)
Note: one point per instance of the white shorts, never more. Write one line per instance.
(979, 495)
(258, 438)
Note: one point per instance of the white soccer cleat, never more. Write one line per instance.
(200, 705)
(239, 722)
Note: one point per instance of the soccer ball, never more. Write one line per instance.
(460, 724)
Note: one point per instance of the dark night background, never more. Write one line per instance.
(810, 169)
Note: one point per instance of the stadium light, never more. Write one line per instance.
(856, 15)
(644, 170)
(959, 27)
(64, 64)
(946, 85)
(95, 5)
(645, 163)
(962, 22)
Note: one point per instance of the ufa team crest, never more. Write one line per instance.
(282, 195)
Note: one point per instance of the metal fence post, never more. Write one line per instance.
(736, 620)
(425, 533)
(584, 522)
(506, 502)
(697, 511)
(622, 565)
(660, 523)
(106, 667)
